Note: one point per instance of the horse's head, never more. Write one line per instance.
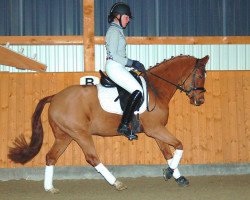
(194, 85)
(186, 73)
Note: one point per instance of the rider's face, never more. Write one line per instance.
(124, 20)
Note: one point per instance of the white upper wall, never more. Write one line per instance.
(69, 58)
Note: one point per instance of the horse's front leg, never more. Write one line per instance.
(165, 149)
(162, 135)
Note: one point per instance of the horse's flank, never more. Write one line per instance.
(81, 102)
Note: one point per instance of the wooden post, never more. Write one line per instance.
(88, 35)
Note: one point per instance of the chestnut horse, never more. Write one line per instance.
(76, 114)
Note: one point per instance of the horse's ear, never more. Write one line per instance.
(204, 60)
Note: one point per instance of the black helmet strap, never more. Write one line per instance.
(120, 21)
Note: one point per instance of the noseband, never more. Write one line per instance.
(192, 84)
(181, 86)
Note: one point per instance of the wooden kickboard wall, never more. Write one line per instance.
(216, 132)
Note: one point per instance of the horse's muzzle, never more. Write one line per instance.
(197, 101)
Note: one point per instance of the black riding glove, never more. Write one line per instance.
(138, 66)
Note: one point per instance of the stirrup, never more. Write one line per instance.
(125, 130)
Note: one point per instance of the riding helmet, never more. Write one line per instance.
(119, 8)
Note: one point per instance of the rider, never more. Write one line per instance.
(117, 64)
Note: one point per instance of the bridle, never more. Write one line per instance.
(181, 86)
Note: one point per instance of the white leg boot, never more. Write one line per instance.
(176, 159)
(176, 173)
(48, 180)
(168, 173)
(109, 177)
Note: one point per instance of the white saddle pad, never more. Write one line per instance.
(107, 96)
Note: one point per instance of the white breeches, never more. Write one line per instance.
(122, 77)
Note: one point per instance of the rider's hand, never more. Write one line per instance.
(138, 66)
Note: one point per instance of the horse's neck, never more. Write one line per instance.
(172, 71)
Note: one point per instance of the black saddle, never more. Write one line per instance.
(107, 82)
(123, 95)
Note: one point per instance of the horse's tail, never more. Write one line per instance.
(22, 152)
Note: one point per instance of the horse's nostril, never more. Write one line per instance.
(199, 102)
(202, 101)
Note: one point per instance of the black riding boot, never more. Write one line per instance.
(133, 101)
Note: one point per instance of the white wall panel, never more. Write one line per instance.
(222, 57)
(69, 58)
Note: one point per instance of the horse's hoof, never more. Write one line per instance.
(168, 173)
(53, 190)
(182, 181)
(120, 186)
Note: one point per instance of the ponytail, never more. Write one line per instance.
(111, 17)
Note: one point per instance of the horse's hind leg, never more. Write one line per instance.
(165, 149)
(62, 140)
(86, 143)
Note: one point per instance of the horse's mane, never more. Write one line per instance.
(169, 60)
